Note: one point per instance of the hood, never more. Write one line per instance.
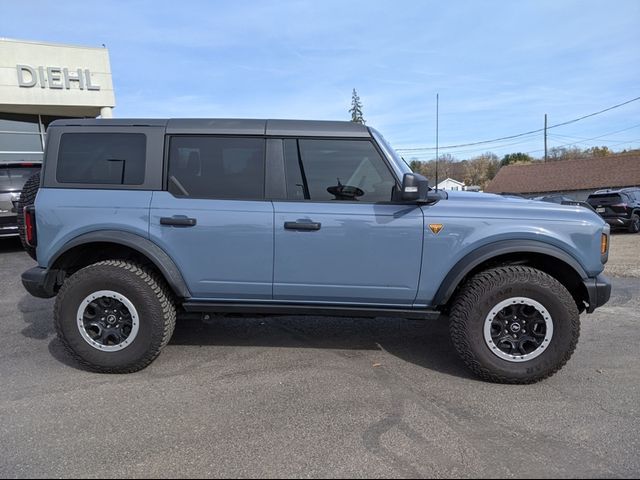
(521, 207)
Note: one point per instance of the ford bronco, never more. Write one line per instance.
(135, 222)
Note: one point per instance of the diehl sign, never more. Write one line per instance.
(54, 77)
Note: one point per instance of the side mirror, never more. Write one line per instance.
(415, 188)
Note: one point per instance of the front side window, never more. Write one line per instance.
(216, 167)
(350, 170)
(102, 158)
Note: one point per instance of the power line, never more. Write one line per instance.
(592, 138)
(413, 155)
(599, 136)
(524, 133)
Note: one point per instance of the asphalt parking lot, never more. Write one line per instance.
(316, 397)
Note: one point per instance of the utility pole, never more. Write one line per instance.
(545, 138)
(437, 117)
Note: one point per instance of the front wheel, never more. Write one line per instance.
(514, 325)
(114, 316)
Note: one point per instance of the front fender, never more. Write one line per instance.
(496, 249)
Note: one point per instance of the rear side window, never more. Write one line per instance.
(102, 158)
(216, 167)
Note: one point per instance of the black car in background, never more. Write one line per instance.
(563, 200)
(13, 176)
(619, 208)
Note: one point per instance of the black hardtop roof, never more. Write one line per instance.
(307, 128)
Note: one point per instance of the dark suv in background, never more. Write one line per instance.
(12, 178)
(619, 208)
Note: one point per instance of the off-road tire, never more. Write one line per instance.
(487, 289)
(634, 226)
(26, 199)
(149, 295)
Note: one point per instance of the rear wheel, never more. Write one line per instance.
(114, 316)
(514, 325)
(634, 226)
(27, 198)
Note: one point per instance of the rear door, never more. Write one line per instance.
(338, 237)
(213, 219)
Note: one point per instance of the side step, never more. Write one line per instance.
(320, 310)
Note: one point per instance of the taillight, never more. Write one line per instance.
(30, 225)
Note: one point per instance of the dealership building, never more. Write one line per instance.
(42, 82)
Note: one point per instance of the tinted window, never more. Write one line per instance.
(345, 170)
(216, 167)
(102, 158)
(19, 123)
(21, 142)
(20, 133)
(605, 199)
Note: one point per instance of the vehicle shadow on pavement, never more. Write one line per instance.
(423, 343)
(10, 244)
(37, 313)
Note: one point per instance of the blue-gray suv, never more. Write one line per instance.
(137, 222)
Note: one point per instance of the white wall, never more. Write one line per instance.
(51, 94)
(450, 184)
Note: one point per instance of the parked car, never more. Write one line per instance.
(13, 176)
(512, 195)
(619, 208)
(563, 200)
(136, 221)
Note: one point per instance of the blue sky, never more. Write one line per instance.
(498, 66)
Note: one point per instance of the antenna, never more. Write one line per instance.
(437, 131)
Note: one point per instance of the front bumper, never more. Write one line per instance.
(40, 282)
(599, 291)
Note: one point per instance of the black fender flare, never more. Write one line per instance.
(143, 245)
(470, 261)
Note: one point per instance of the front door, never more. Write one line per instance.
(213, 219)
(338, 237)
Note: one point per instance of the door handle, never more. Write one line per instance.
(304, 226)
(178, 221)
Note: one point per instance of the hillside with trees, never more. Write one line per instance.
(481, 169)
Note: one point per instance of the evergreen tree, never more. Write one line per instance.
(356, 108)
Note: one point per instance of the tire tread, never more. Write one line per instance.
(159, 289)
(480, 285)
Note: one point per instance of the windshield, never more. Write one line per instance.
(12, 179)
(399, 164)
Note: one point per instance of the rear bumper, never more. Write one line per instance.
(8, 225)
(599, 291)
(40, 282)
(9, 231)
